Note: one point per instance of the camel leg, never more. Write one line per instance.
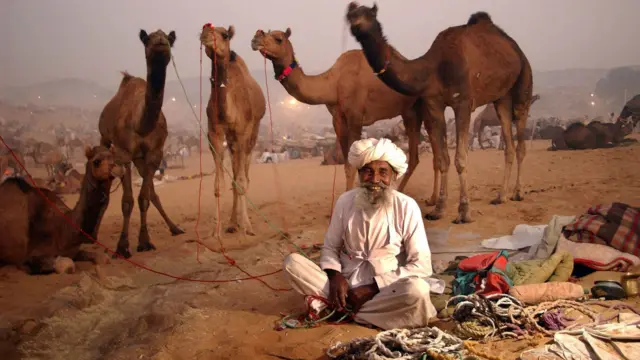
(343, 136)
(412, 126)
(216, 138)
(155, 200)
(505, 114)
(147, 171)
(243, 183)
(127, 208)
(435, 114)
(463, 119)
(435, 150)
(480, 139)
(520, 114)
(237, 188)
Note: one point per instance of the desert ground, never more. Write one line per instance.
(120, 311)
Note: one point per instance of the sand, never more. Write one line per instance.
(119, 311)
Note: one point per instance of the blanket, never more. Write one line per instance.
(616, 225)
(558, 267)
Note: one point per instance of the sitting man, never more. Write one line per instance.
(375, 258)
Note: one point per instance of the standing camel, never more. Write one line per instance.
(466, 67)
(235, 108)
(133, 121)
(362, 98)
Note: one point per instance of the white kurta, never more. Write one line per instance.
(368, 248)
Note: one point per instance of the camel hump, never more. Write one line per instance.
(125, 77)
(479, 17)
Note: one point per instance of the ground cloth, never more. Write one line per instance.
(616, 225)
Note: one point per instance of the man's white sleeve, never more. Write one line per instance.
(416, 246)
(330, 257)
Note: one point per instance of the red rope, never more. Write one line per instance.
(139, 265)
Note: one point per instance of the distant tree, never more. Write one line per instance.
(612, 87)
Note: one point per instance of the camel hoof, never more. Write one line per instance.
(497, 201)
(145, 247)
(123, 252)
(434, 215)
(463, 219)
(176, 231)
(232, 229)
(517, 197)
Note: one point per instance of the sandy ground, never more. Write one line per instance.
(119, 311)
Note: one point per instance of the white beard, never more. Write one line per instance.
(370, 202)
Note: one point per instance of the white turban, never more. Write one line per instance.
(365, 151)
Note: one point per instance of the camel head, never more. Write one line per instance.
(217, 39)
(157, 46)
(274, 45)
(363, 20)
(624, 127)
(101, 167)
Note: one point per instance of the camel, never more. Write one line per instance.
(134, 122)
(489, 117)
(34, 235)
(234, 111)
(466, 67)
(353, 97)
(595, 135)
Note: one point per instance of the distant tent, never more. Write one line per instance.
(333, 155)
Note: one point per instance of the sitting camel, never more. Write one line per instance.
(596, 134)
(36, 237)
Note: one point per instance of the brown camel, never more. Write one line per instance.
(34, 234)
(363, 98)
(235, 108)
(134, 122)
(466, 67)
(489, 117)
(595, 135)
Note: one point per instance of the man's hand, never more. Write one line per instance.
(358, 296)
(338, 288)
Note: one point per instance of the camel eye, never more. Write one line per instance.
(96, 163)
(279, 40)
(225, 36)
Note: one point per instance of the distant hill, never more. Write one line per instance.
(63, 92)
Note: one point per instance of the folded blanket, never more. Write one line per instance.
(558, 267)
(616, 225)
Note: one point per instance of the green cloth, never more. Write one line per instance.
(558, 267)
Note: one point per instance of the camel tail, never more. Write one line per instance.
(479, 17)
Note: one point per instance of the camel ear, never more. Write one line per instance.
(144, 37)
(231, 31)
(172, 38)
(374, 9)
(287, 33)
(88, 152)
(352, 6)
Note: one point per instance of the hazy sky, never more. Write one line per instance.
(48, 39)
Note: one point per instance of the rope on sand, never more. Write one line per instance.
(480, 317)
(400, 344)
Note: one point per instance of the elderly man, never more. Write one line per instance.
(375, 258)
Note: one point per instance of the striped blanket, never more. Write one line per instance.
(616, 225)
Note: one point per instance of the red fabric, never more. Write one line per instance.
(492, 283)
(478, 262)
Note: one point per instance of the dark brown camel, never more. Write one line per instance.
(34, 234)
(133, 121)
(466, 67)
(596, 135)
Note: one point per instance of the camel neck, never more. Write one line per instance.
(88, 211)
(219, 88)
(154, 97)
(308, 89)
(408, 77)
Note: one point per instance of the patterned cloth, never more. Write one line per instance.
(616, 225)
